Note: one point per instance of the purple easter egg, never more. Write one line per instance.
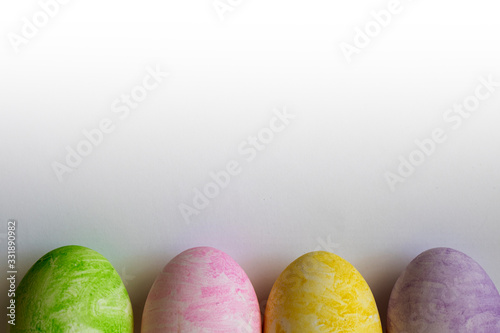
(444, 291)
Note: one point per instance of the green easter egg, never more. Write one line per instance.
(72, 289)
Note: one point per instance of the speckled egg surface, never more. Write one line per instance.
(444, 291)
(72, 289)
(321, 292)
(202, 290)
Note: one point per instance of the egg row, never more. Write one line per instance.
(75, 289)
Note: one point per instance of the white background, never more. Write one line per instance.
(320, 183)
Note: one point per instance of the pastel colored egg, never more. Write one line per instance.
(202, 290)
(72, 289)
(321, 292)
(444, 291)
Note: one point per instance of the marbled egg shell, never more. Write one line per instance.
(202, 290)
(72, 289)
(321, 292)
(444, 291)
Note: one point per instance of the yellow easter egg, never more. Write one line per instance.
(321, 292)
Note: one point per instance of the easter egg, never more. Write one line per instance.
(72, 289)
(202, 290)
(444, 291)
(321, 292)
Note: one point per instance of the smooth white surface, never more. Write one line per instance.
(318, 185)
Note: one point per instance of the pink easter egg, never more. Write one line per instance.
(202, 290)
